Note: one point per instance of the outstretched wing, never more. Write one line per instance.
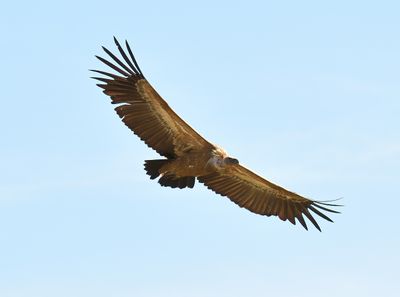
(260, 196)
(143, 110)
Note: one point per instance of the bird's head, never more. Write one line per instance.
(220, 162)
(221, 159)
(230, 161)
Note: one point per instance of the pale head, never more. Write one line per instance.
(221, 159)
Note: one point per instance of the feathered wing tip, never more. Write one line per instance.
(316, 207)
(131, 68)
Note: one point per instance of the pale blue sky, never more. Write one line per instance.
(306, 93)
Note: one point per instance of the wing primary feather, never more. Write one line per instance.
(113, 66)
(320, 213)
(300, 218)
(326, 209)
(311, 218)
(118, 61)
(106, 73)
(325, 202)
(329, 204)
(125, 56)
(106, 80)
(120, 87)
(103, 86)
(133, 58)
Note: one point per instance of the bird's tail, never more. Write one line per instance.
(153, 167)
(174, 181)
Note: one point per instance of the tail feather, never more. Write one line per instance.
(176, 182)
(153, 167)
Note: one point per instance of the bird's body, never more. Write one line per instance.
(187, 155)
(193, 163)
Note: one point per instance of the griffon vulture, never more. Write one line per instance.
(187, 155)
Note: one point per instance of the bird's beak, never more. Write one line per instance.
(231, 161)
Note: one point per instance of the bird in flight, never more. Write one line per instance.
(187, 156)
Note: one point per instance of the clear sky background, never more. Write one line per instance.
(306, 93)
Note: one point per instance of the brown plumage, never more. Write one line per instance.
(188, 155)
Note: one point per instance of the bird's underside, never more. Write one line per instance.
(187, 155)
